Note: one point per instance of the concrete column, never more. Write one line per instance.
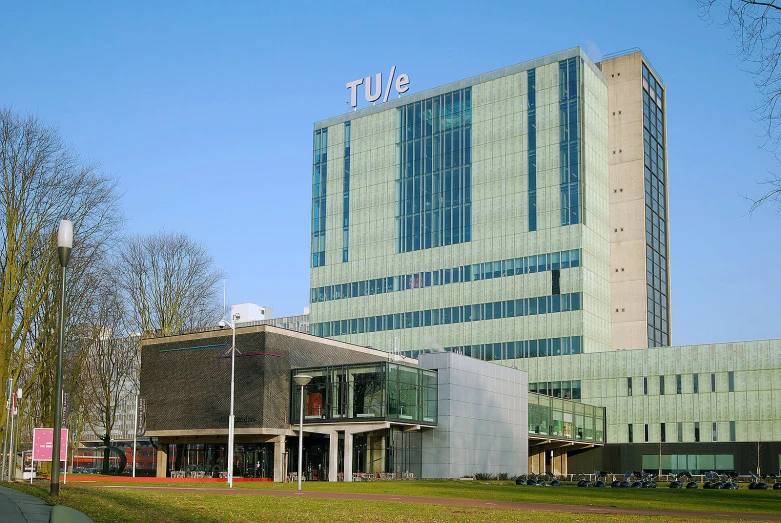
(367, 454)
(279, 458)
(383, 453)
(348, 456)
(375, 453)
(333, 456)
(162, 459)
(350, 396)
(536, 460)
(560, 461)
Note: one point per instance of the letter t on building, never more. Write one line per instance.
(353, 87)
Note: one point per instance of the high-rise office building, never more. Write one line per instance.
(521, 217)
(485, 199)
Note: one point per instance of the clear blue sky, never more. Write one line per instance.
(205, 114)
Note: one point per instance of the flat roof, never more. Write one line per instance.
(213, 332)
(461, 84)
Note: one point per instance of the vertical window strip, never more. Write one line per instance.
(655, 211)
(569, 179)
(346, 199)
(532, 146)
(319, 179)
(434, 186)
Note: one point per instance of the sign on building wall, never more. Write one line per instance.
(373, 87)
(141, 426)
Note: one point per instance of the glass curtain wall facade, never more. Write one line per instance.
(319, 184)
(208, 460)
(384, 391)
(367, 392)
(434, 187)
(457, 186)
(654, 147)
(393, 453)
(565, 419)
(531, 96)
(569, 116)
(346, 197)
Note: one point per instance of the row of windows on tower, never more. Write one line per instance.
(459, 314)
(678, 438)
(466, 273)
(679, 384)
(568, 390)
(509, 350)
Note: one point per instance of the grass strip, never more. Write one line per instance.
(128, 505)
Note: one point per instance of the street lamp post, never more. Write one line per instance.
(5, 432)
(302, 380)
(232, 324)
(64, 246)
(135, 435)
(16, 405)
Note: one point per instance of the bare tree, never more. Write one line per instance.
(109, 364)
(41, 182)
(757, 456)
(756, 29)
(171, 283)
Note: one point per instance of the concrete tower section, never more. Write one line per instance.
(639, 224)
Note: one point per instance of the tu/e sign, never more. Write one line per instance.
(373, 93)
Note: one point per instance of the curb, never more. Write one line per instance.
(63, 514)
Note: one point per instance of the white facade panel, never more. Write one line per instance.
(484, 428)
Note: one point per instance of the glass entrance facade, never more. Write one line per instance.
(208, 460)
(386, 453)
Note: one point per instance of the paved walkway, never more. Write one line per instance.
(18, 507)
(461, 502)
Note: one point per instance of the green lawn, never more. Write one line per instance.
(742, 500)
(119, 504)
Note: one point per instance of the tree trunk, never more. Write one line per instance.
(106, 452)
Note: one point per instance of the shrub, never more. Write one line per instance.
(484, 476)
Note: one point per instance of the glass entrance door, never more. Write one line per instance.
(256, 460)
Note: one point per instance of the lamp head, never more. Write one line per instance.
(65, 241)
(302, 380)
